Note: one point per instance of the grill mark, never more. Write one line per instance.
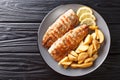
(59, 56)
(68, 22)
(76, 20)
(60, 30)
(65, 28)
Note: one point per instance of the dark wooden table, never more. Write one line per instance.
(19, 55)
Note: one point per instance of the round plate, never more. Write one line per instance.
(49, 19)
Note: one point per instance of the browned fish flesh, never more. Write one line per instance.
(68, 42)
(63, 24)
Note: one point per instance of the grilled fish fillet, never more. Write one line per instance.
(68, 42)
(63, 24)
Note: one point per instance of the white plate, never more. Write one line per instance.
(49, 19)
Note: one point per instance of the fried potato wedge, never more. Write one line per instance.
(94, 36)
(84, 65)
(100, 35)
(88, 39)
(65, 59)
(89, 60)
(72, 58)
(74, 53)
(96, 44)
(82, 56)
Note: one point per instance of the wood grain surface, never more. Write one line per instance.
(35, 10)
(19, 54)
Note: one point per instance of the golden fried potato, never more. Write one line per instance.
(84, 65)
(66, 63)
(83, 47)
(91, 50)
(96, 44)
(88, 39)
(78, 50)
(65, 59)
(82, 56)
(94, 36)
(96, 32)
(93, 27)
(80, 62)
(74, 53)
(91, 59)
(99, 35)
(72, 58)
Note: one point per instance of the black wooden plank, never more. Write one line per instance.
(22, 37)
(18, 37)
(35, 10)
(32, 66)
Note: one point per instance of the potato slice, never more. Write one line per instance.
(82, 56)
(96, 44)
(91, 50)
(89, 60)
(83, 47)
(66, 63)
(88, 39)
(74, 53)
(94, 36)
(84, 65)
(78, 50)
(65, 59)
(72, 58)
(100, 35)
(80, 62)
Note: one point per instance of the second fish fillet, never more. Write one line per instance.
(68, 42)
